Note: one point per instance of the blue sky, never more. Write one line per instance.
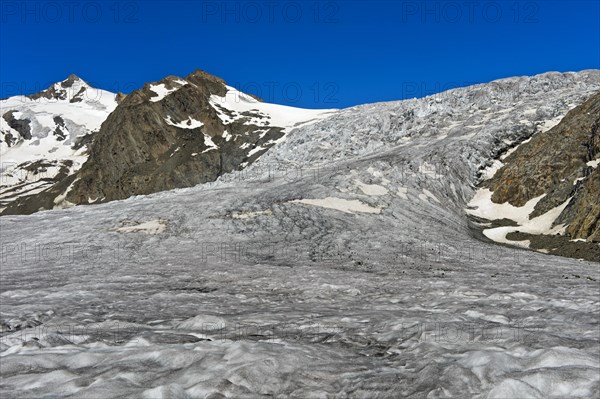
(315, 54)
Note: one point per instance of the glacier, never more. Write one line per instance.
(342, 263)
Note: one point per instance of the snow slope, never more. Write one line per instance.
(239, 103)
(176, 294)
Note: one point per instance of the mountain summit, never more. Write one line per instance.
(176, 132)
(74, 89)
(43, 136)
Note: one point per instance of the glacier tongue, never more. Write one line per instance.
(299, 300)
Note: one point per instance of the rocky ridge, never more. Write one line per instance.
(168, 134)
(562, 165)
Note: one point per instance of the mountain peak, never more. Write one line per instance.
(68, 82)
(205, 76)
(211, 83)
(69, 89)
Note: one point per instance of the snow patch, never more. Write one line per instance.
(190, 123)
(60, 201)
(594, 164)
(209, 144)
(402, 192)
(485, 208)
(162, 91)
(151, 227)
(490, 171)
(371, 189)
(255, 150)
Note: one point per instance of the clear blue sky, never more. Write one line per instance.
(314, 54)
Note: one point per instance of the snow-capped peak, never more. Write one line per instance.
(72, 90)
(41, 135)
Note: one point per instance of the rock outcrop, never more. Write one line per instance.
(151, 144)
(562, 165)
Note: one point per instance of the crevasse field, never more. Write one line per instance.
(343, 263)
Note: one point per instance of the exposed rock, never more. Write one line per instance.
(60, 127)
(559, 245)
(555, 164)
(120, 97)
(77, 98)
(22, 126)
(9, 139)
(550, 158)
(68, 82)
(585, 222)
(139, 150)
(56, 91)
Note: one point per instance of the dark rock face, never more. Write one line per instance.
(68, 82)
(8, 138)
(586, 215)
(77, 98)
(560, 245)
(20, 125)
(120, 97)
(59, 131)
(138, 151)
(555, 163)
